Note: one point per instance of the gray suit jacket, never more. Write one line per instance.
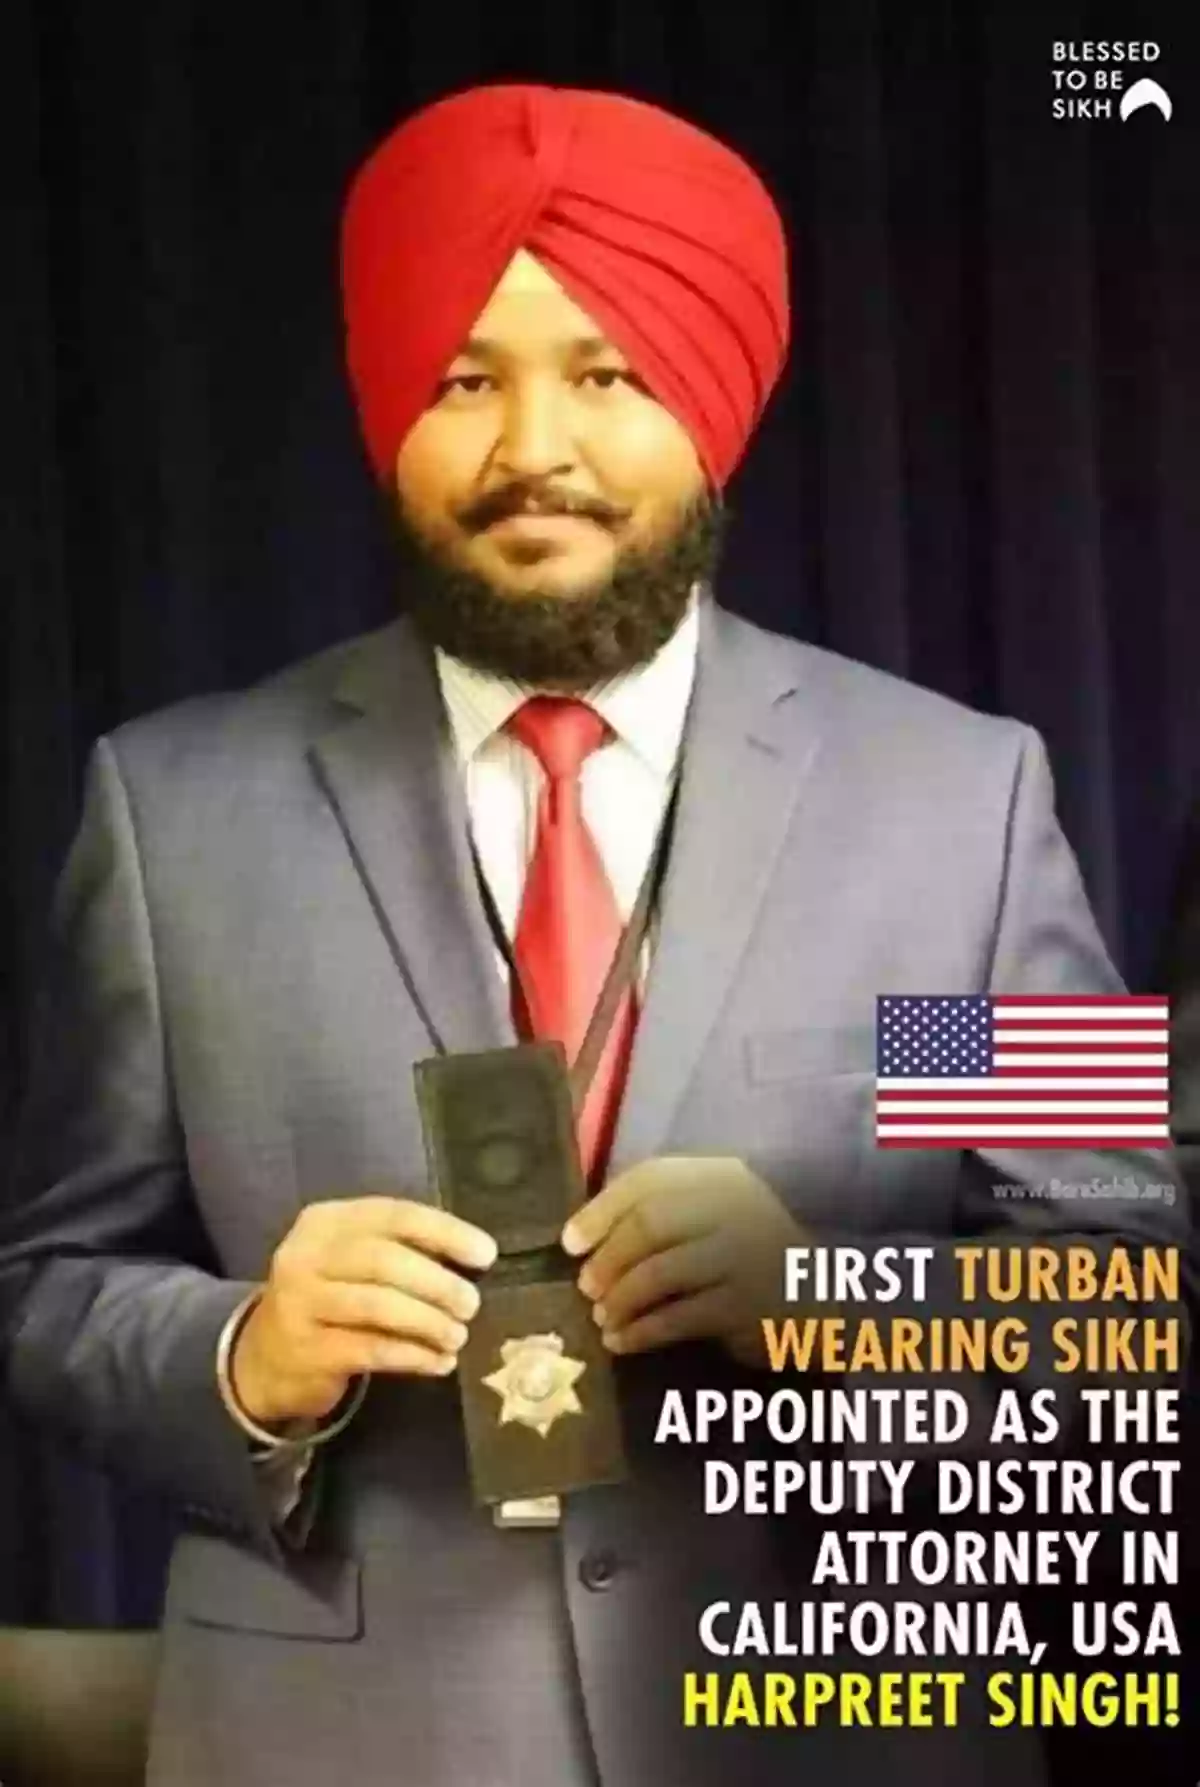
(269, 913)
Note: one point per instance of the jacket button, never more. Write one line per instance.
(598, 1569)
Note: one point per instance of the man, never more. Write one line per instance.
(224, 1266)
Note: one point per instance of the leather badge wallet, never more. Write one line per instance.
(538, 1390)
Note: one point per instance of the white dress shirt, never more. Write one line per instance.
(625, 784)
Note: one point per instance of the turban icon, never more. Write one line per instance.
(664, 236)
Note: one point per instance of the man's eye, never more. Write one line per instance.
(604, 378)
(596, 378)
(469, 383)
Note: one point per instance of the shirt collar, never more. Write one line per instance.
(646, 707)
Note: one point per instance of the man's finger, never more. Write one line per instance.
(370, 1259)
(703, 1317)
(349, 1352)
(421, 1225)
(600, 1215)
(655, 1223)
(437, 1231)
(676, 1272)
(391, 1313)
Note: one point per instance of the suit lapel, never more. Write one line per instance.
(750, 743)
(387, 767)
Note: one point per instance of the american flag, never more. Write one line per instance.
(1029, 1072)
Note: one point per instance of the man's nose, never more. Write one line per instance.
(537, 439)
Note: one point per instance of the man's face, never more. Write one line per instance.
(543, 458)
(553, 518)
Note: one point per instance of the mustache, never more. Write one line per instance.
(525, 498)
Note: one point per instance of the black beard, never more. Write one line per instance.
(563, 642)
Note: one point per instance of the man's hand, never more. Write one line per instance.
(356, 1286)
(683, 1249)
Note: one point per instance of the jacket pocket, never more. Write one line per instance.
(822, 1054)
(215, 1583)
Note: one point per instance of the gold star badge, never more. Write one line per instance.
(535, 1382)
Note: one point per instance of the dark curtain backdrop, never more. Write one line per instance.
(981, 474)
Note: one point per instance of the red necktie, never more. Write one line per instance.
(569, 924)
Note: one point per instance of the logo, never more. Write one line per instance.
(1145, 92)
(1102, 81)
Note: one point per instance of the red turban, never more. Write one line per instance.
(664, 236)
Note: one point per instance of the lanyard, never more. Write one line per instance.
(623, 968)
